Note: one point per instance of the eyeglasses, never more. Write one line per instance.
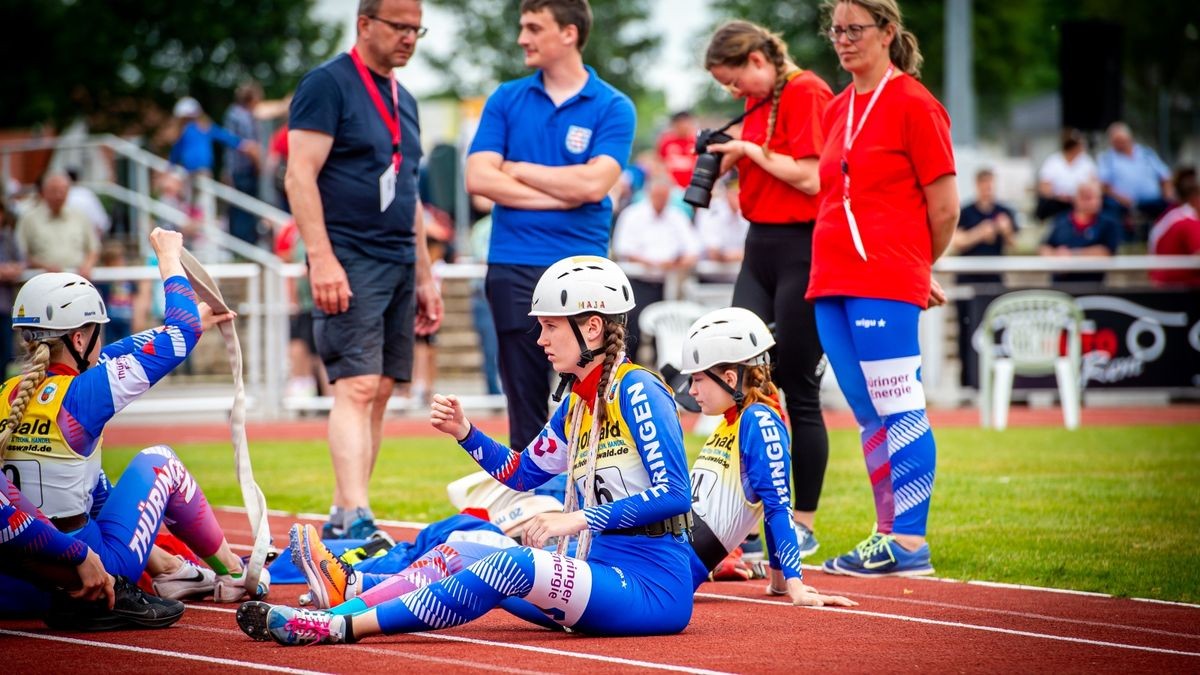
(853, 31)
(404, 29)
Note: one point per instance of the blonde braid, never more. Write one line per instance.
(32, 378)
(570, 499)
(614, 355)
(774, 49)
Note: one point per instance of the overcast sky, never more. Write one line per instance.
(679, 75)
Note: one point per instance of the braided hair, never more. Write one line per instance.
(732, 45)
(614, 355)
(32, 377)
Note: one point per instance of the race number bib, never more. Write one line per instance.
(26, 476)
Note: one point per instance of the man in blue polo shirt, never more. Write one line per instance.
(354, 146)
(548, 149)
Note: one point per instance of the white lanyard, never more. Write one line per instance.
(848, 142)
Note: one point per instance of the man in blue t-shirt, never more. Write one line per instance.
(548, 149)
(984, 227)
(354, 147)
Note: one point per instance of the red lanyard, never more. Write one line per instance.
(392, 122)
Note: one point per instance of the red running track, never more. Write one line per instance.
(915, 625)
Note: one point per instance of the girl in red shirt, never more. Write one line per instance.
(888, 209)
(776, 160)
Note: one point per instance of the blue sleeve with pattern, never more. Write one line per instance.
(649, 410)
(129, 367)
(543, 459)
(764, 447)
(24, 534)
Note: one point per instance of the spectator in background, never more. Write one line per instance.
(548, 149)
(1178, 231)
(1062, 173)
(984, 228)
(481, 313)
(119, 296)
(722, 227)
(242, 167)
(1133, 176)
(677, 147)
(277, 154)
(1084, 231)
(55, 238)
(11, 266)
(307, 377)
(86, 202)
(659, 236)
(194, 149)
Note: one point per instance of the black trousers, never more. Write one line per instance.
(524, 371)
(772, 284)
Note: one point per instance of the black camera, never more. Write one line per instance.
(707, 169)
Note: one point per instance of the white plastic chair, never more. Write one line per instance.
(1033, 323)
(667, 322)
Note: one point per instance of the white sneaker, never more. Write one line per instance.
(190, 580)
(233, 589)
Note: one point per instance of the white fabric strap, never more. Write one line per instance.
(256, 503)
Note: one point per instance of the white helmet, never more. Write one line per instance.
(54, 303)
(730, 335)
(580, 284)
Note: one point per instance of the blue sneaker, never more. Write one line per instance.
(289, 626)
(330, 530)
(885, 558)
(806, 540)
(853, 559)
(362, 526)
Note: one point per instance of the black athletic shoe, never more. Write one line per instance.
(134, 608)
(252, 619)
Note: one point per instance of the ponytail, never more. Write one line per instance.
(32, 378)
(905, 52)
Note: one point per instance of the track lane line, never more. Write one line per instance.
(1004, 612)
(392, 653)
(540, 650)
(161, 652)
(956, 624)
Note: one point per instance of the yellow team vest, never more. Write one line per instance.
(718, 492)
(39, 461)
(619, 469)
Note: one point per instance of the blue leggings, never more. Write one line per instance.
(872, 346)
(647, 595)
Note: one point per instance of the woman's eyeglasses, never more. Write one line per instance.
(853, 31)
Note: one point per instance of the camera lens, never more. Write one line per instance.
(699, 189)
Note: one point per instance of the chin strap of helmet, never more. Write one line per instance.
(564, 382)
(81, 362)
(586, 355)
(735, 391)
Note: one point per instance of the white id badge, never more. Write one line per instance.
(387, 188)
(854, 234)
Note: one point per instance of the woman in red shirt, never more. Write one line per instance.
(776, 160)
(888, 209)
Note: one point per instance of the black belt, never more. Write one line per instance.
(705, 543)
(676, 525)
(70, 523)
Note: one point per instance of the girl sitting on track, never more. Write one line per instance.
(741, 470)
(625, 457)
(54, 415)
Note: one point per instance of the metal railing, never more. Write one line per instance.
(266, 308)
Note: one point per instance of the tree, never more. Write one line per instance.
(1016, 46)
(621, 46)
(121, 63)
